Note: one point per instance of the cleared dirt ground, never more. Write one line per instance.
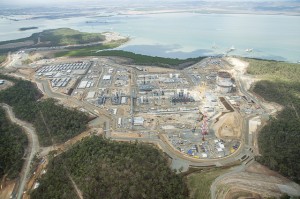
(7, 189)
(257, 181)
(229, 126)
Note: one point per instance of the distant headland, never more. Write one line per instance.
(27, 28)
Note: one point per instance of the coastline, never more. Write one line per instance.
(203, 11)
(111, 39)
(163, 46)
(114, 36)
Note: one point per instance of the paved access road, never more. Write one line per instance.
(180, 161)
(33, 147)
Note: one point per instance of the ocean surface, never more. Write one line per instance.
(183, 35)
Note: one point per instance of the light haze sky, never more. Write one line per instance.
(128, 3)
(45, 2)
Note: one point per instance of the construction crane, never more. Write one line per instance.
(204, 127)
(198, 120)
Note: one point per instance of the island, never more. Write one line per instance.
(60, 38)
(28, 28)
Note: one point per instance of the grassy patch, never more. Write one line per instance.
(199, 183)
(27, 61)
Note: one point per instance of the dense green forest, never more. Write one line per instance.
(279, 140)
(273, 70)
(56, 122)
(107, 169)
(53, 122)
(12, 147)
(136, 58)
(53, 37)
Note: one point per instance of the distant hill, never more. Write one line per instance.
(53, 37)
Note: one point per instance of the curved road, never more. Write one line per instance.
(33, 147)
(178, 160)
(213, 187)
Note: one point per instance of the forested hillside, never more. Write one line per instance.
(107, 169)
(53, 122)
(279, 140)
(136, 58)
(12, 147)
(67, 36)
(53, 37)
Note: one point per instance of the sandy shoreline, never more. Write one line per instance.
(113, 36)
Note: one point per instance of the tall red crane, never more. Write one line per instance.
(204, 127)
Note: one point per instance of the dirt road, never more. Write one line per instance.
(254, 181)
(33, 147)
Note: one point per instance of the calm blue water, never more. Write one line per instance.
(187, 34)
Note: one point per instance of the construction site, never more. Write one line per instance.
(200, 116)
(199, 110)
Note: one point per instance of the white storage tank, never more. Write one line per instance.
(224, 83)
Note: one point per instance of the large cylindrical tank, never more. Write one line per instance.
(224, 83)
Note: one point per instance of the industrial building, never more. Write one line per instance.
(138, 121)
(118, 98)
(101, 100)
(60, 82)
(106, 77)
(51, 70)
(146, 87)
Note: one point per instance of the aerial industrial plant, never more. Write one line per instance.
(197, 111)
